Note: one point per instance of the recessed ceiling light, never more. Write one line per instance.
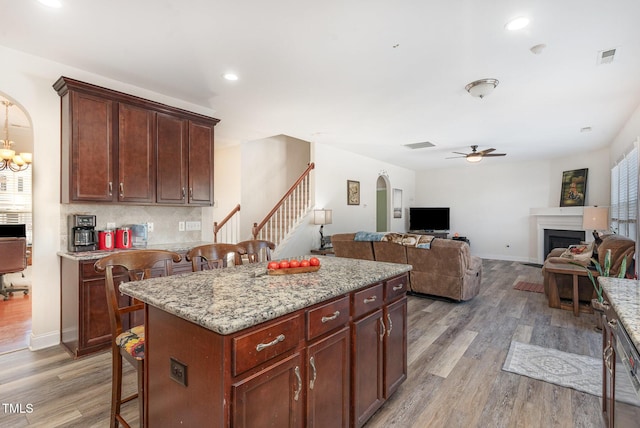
(51, 3)
(230, 76)
(517, 23)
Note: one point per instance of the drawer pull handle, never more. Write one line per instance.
(370, 299)
(122, 189)
(335, 315)
(613, 324)
(261, 346)
(297, 394)
(398, 287)
(312, 361)
(110, 188)
(390, 325)
(383, 330)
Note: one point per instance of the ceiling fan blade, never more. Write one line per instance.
(457, 157)
(458, 153)
(494, 154)
(484, 152)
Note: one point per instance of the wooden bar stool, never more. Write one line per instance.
(214, 256)
(258, 250)
(129, 342)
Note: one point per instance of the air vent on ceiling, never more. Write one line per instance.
(606, 57)
(419, 145)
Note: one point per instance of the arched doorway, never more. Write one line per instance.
(382, 204)
(16, 201)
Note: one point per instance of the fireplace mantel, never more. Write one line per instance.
(561, 218)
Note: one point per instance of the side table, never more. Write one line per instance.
(565, 269)
(327, 251)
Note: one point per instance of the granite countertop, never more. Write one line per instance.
(624, 296)
(234, 298)
(95, 255)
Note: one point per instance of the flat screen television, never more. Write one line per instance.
(429, 219)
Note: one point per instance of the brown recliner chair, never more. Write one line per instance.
(621, 247)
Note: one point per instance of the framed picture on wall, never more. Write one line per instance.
(574, 188)
(397, 203)
(353, 192)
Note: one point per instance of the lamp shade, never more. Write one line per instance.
(322, 217)
(596, 218)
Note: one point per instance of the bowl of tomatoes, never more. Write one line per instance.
(292, 266)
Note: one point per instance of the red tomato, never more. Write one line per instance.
(313, 261)
(284, 264)
(294, 263)
(304, 263)
(273, 265)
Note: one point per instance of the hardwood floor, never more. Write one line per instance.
(455, 356)
(15, 324)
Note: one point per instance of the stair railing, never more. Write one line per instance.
(229, 227)
(287, 212)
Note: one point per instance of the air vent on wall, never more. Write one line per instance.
(414, 146)
(606, 57)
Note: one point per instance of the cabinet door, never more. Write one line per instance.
(395, 346)
(136, 155)
(171, 138)
(91, 168)
(367, 366)
(272, 397)
(328, 381)
(200, 164)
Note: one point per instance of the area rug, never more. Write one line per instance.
(529, 286)
(575, 371)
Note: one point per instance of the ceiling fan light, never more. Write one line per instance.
(473, 158)
(481, 88)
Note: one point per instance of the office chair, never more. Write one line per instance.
(13, 258)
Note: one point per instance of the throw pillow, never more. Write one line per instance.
(579, 253)
(368, 236)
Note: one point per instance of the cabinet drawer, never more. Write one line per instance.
(367, 300)
(250, 349)
(89, 272)
(395, 287)
(327, 317)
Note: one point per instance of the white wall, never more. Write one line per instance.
(28, 80)
(334, 167)
(490, 201)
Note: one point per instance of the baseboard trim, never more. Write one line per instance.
(42, 341)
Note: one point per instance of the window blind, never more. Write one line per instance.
(624, 195)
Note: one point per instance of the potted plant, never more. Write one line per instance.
(597, 302)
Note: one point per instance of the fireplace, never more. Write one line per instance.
(557, 238)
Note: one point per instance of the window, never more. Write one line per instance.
(624, 195)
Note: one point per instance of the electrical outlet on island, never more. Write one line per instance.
(149, 227)
(181, 226)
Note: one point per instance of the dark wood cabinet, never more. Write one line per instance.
(84, 314)
(185, 161)
(123, 149)
(136, 155)
(316, 367)
(272, 397)
(87, 149)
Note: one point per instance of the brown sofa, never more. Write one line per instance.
(447, 269)
(620, 247)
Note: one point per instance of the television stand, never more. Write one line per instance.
(437, 233)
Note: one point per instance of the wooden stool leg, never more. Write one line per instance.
(116, 386)
(141, 395)
(554, 297)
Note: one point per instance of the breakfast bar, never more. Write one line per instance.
(240, 347)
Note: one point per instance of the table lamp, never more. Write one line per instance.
(596, 218)
(322, 217)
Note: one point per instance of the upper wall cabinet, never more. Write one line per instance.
(124, 149)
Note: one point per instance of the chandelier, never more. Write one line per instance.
(8, 157)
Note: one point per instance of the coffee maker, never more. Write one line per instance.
(82, 233)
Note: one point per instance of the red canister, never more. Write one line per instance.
(123, 237)
(105, 240)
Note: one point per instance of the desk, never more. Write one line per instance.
(566, 269)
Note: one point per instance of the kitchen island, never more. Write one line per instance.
(238, 347)
(620, 352)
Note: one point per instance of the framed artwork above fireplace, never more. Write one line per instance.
(574, 188)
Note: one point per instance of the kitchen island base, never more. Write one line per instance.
(311, 367)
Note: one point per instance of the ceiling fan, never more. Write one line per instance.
(476, 156)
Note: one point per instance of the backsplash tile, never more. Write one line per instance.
(165, 220)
